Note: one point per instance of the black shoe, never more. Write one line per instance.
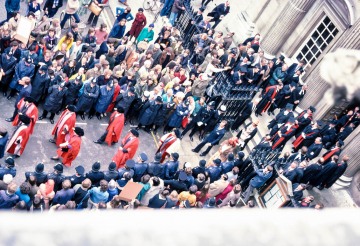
(41, 117)
(16, 156)
(9, 97)
(191, 138)
(90, 117)
(201, 138)
(203, 154)
(181, 137)
(9, 119)
(193, 150)
(58, 112)
(98, 142)
(256, 115)
(82, 117)
(99, 117)
(51, 140)
(52, 121)
(4, 94)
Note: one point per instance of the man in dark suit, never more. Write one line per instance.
(268, 98)
(328, 134)
(212, 139)
(297, 95)
(299, 156)
(298, 191)
(219, 12)
(312, 170)
(304, 119)
(282, 117)
(245, 114)
(295, 67)
(262, 175)
(140, 167)
(314, 149)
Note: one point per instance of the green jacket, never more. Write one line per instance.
(145, 33)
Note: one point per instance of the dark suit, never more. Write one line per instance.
(314, 150)
(213, 138)
(139, 171)
(243, 116)
(282, 117)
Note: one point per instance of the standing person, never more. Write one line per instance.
(268, 98)
(7, 68)
(114, 129)
(27, 107)
(71, 148)
(51, 7)
(219, 12)
(284, 134)
(9, 168)
(87, 98)
(24, 71)
(40, 84)
(148, 113)
(138, 24)
(169, 143)
(8, 198)
(54, 101)
(246, 134)
(338, 172)
(146, 34)
(177, 7)
(106, 93)
(39, 174)
(128, 148)
(11, 6)
(20, 137)
(4, 137)
(93, 19)
(245, 114)
(64, 125)
(212, 139)
(262, 175)
(182, 110)
(72, 7)
(308, 135)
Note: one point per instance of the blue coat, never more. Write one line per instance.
(120, 14)
(214, 173)
(87, 98)
(3, 142)
(148, 117)
(5, 170)
(7, 201)
(156, 169)
(314, 150)
(171, 168)
(12, 5)
(104, 100)
(24, 92)
(260, 178)
(54, 99)
(227, 166)
(139, 171)
(215, 136)
(21, 71)
(39, 85)
(176, 118)
(63, 196)
(117, 31)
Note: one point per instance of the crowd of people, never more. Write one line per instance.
(151, 81)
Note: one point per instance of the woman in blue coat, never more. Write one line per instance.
(148, 116)
(106, 94)
(24, 68)
(53, 102)
(89, 95)
(181, 111)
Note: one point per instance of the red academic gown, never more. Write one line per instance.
(270, 94)
(18, 140)
(116, 125)
(166, 141)
(63, 126)
(334, 151)
(131, 145)
(285, 136)
(112, 104)
(73, 149)
(31, 111)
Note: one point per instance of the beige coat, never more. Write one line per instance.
(217, 187)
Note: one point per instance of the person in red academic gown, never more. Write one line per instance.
(114, 129)
(308, 135)
(169, 143)
(116, 93)
(128, 148)
(64, 125)
(336, 150)
(27, 107)
(284, 134)
(20, 137)
(268, 98)
(71, 148)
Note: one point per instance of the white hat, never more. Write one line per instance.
(146, 93)
(223, 108)
(7, 178)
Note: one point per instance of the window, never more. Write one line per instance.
(318, 41)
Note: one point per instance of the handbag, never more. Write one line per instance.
(95, 9)
(185, 122)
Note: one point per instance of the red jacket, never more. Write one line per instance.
(116, 125)
(63, 126)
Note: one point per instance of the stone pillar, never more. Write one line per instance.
(351, 148)
(350, 39)
(288, 19)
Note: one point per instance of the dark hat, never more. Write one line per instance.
(241, 154)
(120, 110)
(175, 156)
(217, 161)
(211, 104)
(158, 157)
(143, 157)
(71, 108)
(59, 167)
(341, 143)
(202, 9)
(291, 120)
(182, 176)
(231, 157)
(152, 25)
(312, 109)
(79, 131)
(319, 123)
(29, 59)
(59, 56)
(112, 166)
(14, 43)
(289, 106)
(80, 170)
(96, 166)
(202, 163)
(132, 90)
(158, 99)
(140, 10)
(25, 119)
(39, 168)
(130, 163)
(29, 99)
(134, 132)
(10, 161)
(212, 202)
(43, 68)
(282, 58)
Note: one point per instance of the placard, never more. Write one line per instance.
(23, 30)
(130, 191)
